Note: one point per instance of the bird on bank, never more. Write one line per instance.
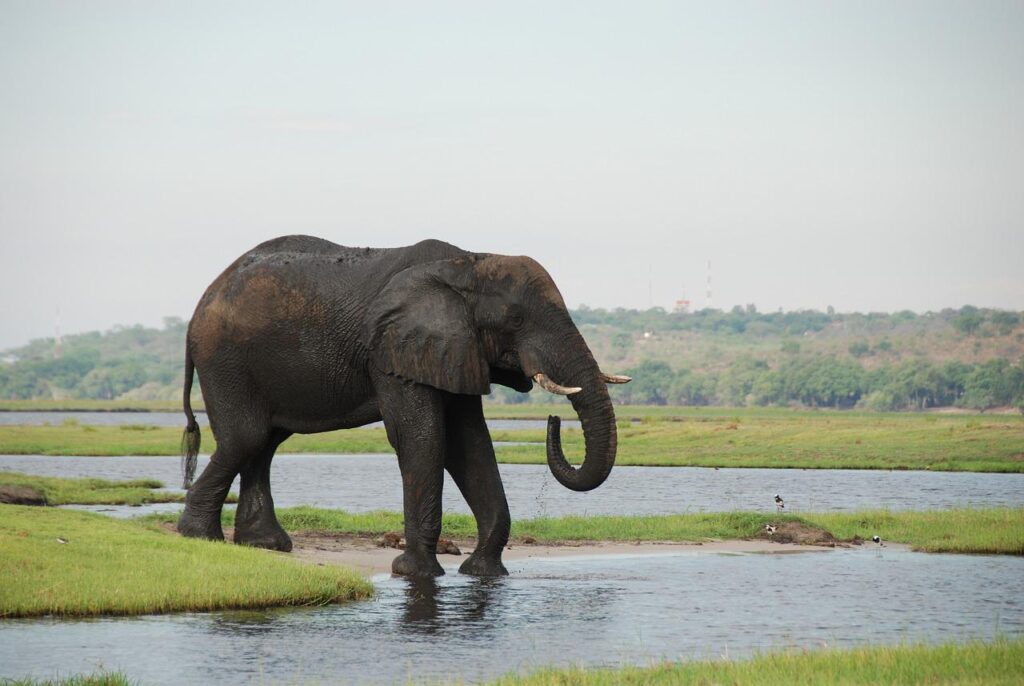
(770, 529)
(779, 505)
(878, 540)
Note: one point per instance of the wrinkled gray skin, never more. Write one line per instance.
(301, 335)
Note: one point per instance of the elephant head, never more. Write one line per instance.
(463, 323)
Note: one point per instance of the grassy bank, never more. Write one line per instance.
(492, 410)
(92, 491)
(801, 441)
(98, 679)
(996, 530)
(90, 405)
(705, 438)
(978, 664)
(115, 567)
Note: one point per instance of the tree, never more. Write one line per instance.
(860, 348)
(968, 320)
(650, 386)
(993, 384)
(1004, 322)
(737, 382)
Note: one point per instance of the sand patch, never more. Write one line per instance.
(363, 554)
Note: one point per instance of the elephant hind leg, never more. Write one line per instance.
(205, 499)
(255, 520)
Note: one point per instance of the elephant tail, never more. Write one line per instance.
(191, 437)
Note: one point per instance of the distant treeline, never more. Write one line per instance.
(968, 357)
(747, 320)
(830, 382)
(128, 362)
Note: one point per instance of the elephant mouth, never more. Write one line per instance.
(592, 403)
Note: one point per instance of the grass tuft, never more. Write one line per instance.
(60, 491)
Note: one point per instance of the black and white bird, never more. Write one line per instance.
(769, 529)
(878, 540)
(778, 502)
(61, 539)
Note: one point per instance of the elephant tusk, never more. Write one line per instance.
(551, 387)
(615, 378)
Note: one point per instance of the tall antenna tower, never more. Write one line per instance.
(709, 286)
(56, 335)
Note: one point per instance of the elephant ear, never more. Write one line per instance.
(420, 328)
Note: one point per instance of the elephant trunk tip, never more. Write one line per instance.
(594, 470)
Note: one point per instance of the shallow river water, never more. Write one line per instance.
(596, 612)
(373, 482)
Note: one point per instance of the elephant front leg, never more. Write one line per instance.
(471, 462)
(415, 427)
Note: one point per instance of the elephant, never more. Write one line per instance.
(301, 335)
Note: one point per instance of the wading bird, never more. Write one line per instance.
(779, 505)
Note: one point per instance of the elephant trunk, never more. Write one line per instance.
(594, 407)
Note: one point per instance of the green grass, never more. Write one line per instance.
(80, 439)
(971, 664)
(90, 405)
(98, 679)
(92, 491)
(672, 437)
(996, 530)
(827, 440)
(116, 567)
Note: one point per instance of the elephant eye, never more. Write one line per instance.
(515, 320)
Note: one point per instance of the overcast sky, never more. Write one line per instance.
(864, 155)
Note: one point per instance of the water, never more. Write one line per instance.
(178, 419)
(360, 483)
(596, 612)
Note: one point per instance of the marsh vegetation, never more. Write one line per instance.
(663, 436)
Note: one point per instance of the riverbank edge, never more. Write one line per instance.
(364, 554)
(996, 663)
(993, 663)
(67, 563)
(989, 531)
(746, 442)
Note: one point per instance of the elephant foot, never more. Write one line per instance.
(411, 564)
(269, 537)
(200, 526)
(483, 566)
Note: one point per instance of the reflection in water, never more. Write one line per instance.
(630, 609)
(421, 606)
(430, 606)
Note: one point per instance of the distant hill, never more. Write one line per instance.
(969, 357)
